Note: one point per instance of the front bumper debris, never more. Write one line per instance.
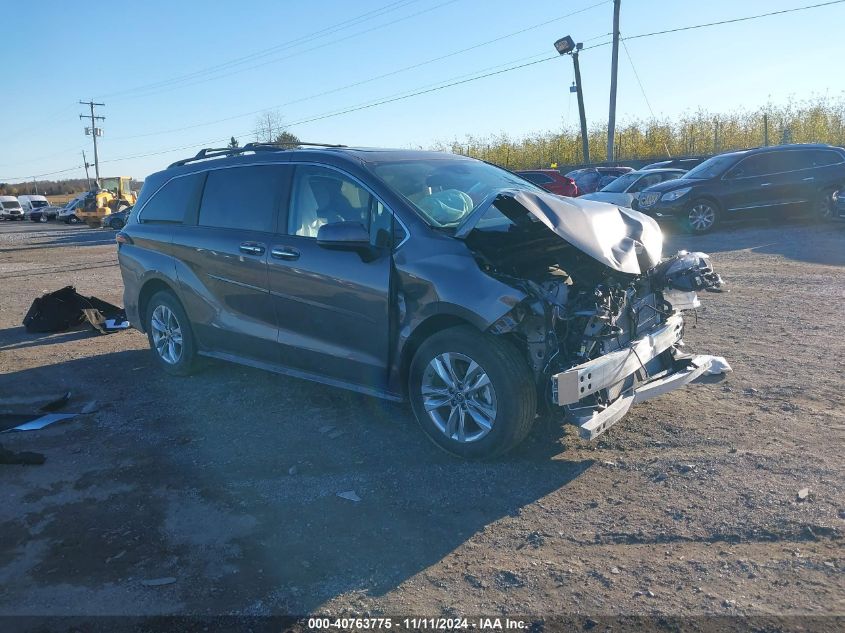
(577, 383)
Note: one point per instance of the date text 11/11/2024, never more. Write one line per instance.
(417, 624)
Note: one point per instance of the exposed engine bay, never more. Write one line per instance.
(622, 330)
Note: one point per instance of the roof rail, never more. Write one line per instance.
(211, 152)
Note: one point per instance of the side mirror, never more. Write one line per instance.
(343, 236)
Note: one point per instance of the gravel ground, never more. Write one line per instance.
(225, 484)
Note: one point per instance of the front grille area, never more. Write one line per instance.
(648, 199)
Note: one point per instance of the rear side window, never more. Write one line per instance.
(176, 198)
(241, 198)
(536, 178)
(824, 157)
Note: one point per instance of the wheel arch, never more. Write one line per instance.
(425, 330)
(708, 197)
(150, 287)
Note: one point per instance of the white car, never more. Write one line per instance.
(624, 190)
(10, 208)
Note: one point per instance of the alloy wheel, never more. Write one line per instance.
(824, 207)
(701, 216)
(167, 334)
(458, 396)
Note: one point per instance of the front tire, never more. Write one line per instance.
(170, 335)
(472, 393)
(823, 205)
(702, 215)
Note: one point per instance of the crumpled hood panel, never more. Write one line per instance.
(610, 234)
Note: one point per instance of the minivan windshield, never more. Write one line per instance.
(37, 204)
(11, 204)
(712, 167)
(445, 191)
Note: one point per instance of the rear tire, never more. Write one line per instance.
(702, 216)
(461, 417)
(170, 335)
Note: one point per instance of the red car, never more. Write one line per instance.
(552, 180)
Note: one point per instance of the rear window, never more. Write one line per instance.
(173, 200)
(241, 198)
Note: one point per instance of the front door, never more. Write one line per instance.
(752, 185)
(332, 306)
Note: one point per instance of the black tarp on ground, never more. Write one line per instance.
(63, 309)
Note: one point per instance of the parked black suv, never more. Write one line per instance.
(783, 178)
(460, 286)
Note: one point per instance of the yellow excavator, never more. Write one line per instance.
(112, 195)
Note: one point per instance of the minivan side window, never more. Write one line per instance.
(173, 200)
(244, 198)
(321, 195)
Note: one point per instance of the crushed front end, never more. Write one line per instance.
(603, 323)
(631, 346)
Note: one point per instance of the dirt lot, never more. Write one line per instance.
(227, 481)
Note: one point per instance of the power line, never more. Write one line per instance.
(637, 75)
(49, 173)
(430, 90)
(388, 8)
(349, 110)
(376, 78)
(734, 20)
(295, 54)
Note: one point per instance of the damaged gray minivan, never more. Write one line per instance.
(431, 277)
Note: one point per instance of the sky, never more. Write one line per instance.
(176, 76)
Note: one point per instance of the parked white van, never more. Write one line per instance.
(28, 203)
(10, 208)
(68, 213)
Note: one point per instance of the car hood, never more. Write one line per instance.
(613, 198)
(622, 239)
(671, 185)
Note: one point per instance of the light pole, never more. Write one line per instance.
(567, 46)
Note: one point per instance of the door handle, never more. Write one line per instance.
(810, 179)
(251, 248)
(766, 184)
(284, 253)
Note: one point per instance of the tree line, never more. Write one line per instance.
(699, 133)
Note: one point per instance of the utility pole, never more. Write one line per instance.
(87, 165)
(765, 129)
(614, 67)
(95, 132)
(585, 142)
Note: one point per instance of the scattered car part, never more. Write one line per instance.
(65, 308)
